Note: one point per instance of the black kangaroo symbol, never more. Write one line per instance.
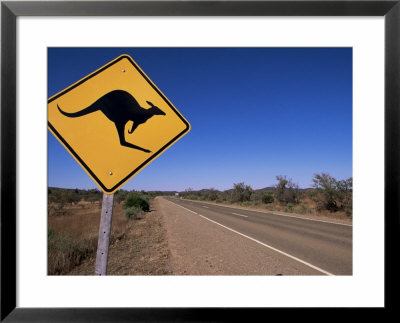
(120, 107)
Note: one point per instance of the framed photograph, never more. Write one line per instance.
(353, 44)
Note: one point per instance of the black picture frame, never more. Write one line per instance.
(10, 10)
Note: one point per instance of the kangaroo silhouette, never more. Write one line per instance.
(120, 107)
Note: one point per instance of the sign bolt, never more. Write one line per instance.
(110, 173)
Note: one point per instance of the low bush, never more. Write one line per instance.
(268, 198)
(133, 212)
(138, 200)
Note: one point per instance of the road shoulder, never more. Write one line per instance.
(199, 247)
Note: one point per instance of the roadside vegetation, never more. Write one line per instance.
(135, 205)
(74, 214)
(327, 196)
(73, 223)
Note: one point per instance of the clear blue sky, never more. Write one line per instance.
(255, 113)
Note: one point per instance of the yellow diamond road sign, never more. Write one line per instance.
(114, 122)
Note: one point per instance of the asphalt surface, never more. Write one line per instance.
(323, 246)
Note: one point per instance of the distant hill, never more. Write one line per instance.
(266, 189)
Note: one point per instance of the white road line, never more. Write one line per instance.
(183, 207)
(261, 243)
(205, 207)
(245, 216)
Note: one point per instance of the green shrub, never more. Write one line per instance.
(138, 200)
(286, 191)
(241, 192)
(268, 198)
(210, 194)
(333, 195)
(133, 212)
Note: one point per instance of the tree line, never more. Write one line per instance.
(326, 193)
(67, 196)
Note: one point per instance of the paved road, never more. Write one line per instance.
(323, 246)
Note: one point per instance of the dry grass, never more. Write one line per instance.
(73, 233)
(137, 246)
(144, 249)
(306, 207)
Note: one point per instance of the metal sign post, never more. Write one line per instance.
(104, 235)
